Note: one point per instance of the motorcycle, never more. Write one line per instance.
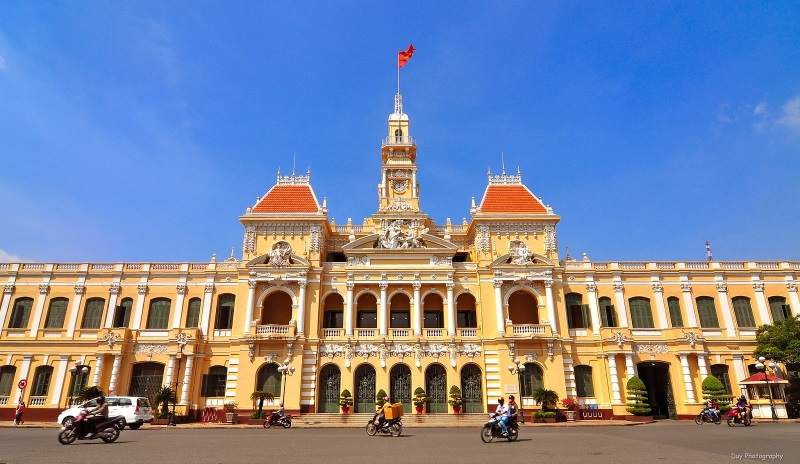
(739, 415)
(278, 421)
(391, 427)
(705, 416)
(492, 429)
(107, 430)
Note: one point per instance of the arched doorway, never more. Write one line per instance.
(523, 308)
(436, 388)
(330, 379)
(471, 389)
(400, 386)
(147, 379)
(365, 389)
(655, 376)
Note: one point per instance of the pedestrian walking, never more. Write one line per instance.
(19, 413)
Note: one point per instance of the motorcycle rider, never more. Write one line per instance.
(503, 415)
(277, 415)
(512, 407)
(382, 412)
(711, 410)
(741, 406)
(97, 414)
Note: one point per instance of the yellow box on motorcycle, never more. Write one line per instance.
(395, 411)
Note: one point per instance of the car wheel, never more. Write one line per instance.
(134, 426)
(67, 421)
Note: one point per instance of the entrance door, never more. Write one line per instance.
(655, 376)
(147, 379)
(471, 389)
(330, 380)
(436, 387)
(400, 389)
(365, 389)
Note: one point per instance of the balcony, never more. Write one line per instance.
(273, 329)
(528, 330)
(392, 141)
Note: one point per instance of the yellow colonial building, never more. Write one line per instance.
(393, 302)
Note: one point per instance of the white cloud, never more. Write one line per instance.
(760, 114)
(9, 258)
(760, 109)
(2, 62)
(791, 114)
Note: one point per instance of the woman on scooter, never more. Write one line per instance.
(96, 414)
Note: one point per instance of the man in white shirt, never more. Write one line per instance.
(502, 414)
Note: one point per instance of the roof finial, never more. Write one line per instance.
(294, 162)
(708, 252)
(503, 162)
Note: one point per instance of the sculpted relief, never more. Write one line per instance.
(400, 234)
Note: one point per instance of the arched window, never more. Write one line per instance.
(367, 311)
(277, 308)
(193, 313)
(779, 309)
(400, 312)
(720, 371)
(607, 314)
(532, 378)
(7, 374)
(158, 316)
(707, 312)
(523, 308)
(675, 316)
(122, 313)
(583, 381)
(432, 307)
(225, 305)
(743, 311)
(93, 313)
(577, 313)
(333, 316)
(641, 313)
(465, 311)
(56, 313)
(21, 313)
(269, 379)
(41, 380)
(214, 382)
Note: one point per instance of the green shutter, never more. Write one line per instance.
(641, 313)
(707, 312)
(21, 313)
(675, 315)
(93, 313)
(743, 312)
(158, 318)
(193, 315)
(587, 319)
(41, 381)
(56, 314)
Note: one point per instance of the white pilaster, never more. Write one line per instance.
(722, 294)
(37, 313)
(170, 370)
(25, 369)
(687, 378)
(63, 361)
(348, 316)
(691, 314)
(631, 371)
(76, 307)
(301, 307)
(551, 305)
(761, 301)
(661, 308)
(187, 379)
(113, 295)
(180, 297)
(7, 291)
(619, 298)
(702, 366)
(451, 310)
(98, 370)
(112, 385)
(498, 304)
(740, 369)
(205, 318)
(417, 309)
(594, 310)
(612, 372)
(251, 301)
(791, 285)
(141, 295)
(383, 311)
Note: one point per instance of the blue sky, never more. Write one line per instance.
(140, 131)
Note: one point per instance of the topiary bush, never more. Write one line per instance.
(637, 397)
(714, 390)
(379, 398)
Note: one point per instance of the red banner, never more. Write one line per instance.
(403, 57)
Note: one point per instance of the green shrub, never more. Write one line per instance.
(637, 397)
(420, 397)
(544, 414)
(545, 397)
(258, 415)
(345, 399)
(379, 398)
(455, 397)
(714, 390)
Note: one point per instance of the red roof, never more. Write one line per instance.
(288, 199)
(510, 199)
(762, 377)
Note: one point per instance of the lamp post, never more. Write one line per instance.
(518, 370)
(74, 370)
(286, 370)
(182, 340)
(763, 368)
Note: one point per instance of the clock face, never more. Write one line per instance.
(399, 186)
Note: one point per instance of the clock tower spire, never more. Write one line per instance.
(398, 191)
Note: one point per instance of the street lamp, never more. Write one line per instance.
(518, 370)
(763, 367)
(285, 370)
(182, 340)
(74, 370)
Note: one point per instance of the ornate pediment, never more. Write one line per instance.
(522, 258)
(370, 242)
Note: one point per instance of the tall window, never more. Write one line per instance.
(269, 379)
(532, 378)
(399, 312)
(583, 381)
(607, 313)
(56, 313)
(720, 371)
(707, 312)
(158, 317)
(7, 374)
(225, 305)
(577, 313)
(432, 312)
(743, 311)
(193, 314)
(93, 313)
(641, 313)
(21, 313)
(122, 313)
(465, 311)
(41, 380)
(214, 382)
(367, 311)
(674, 305)
(779, 309)
(333, 317)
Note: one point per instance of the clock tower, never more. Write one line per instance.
(398, 191)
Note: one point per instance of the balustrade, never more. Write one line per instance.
(272, 329)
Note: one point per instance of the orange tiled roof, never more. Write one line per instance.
(288, 199)
(510, 199)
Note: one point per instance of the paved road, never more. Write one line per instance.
(667, 441)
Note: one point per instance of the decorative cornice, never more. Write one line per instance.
(114, 289)
(791, 286)
(619, 288)
(758, 287)
(180, 289)
(722, 288)
(686, 288)
(8, 289)
(657, 287)
(43, 289)
(209, 288)
(79, 289)
(591, 287)
(142, 289)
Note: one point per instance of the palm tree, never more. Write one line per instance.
(90, 393)
(163, 397)
(261, 395)
(545, 397)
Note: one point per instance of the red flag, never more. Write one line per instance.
(403, 57)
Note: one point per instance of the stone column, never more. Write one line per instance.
(451, 310)
(793, 298)
(23, 374)
(612, 372)
(37, 314)
(761, 303)
(112, 386)
(113, 295)
(687, 378)
(98, 370)
(251, 297)
(205, 318)
(629, 365)
(138, 312)
(348, 315)
(551, 305)
(622, 308)
(691, 314)
(170, 370)
(187, 379)
(722, 293)
(661, 308)
(180, 291)
(417, 309)
(383, 314)
(7, 291)
(498, 304)
(76, 308)
(591, 294)
(301, 307)
(701, 366)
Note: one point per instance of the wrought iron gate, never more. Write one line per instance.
(147, 379)
(400, 386)
(330, 380)
(365, 389)
(436, 387)
(471, 389)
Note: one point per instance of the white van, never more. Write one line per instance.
(135, 409)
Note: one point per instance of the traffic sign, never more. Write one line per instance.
(22, 384)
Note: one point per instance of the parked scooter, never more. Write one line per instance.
(492, 429)
(739, 415)
(393, 427)
(82, 429)
(278, 421)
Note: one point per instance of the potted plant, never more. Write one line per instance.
(542, 417)
(161, 399)
(637, 401)
(420, 399)
(570, 409)
(455, 399)
(545, 397)
(345, 400)
(230, 412)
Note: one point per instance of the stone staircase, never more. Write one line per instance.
(409, 420)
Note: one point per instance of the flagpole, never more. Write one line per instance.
(398, 71)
